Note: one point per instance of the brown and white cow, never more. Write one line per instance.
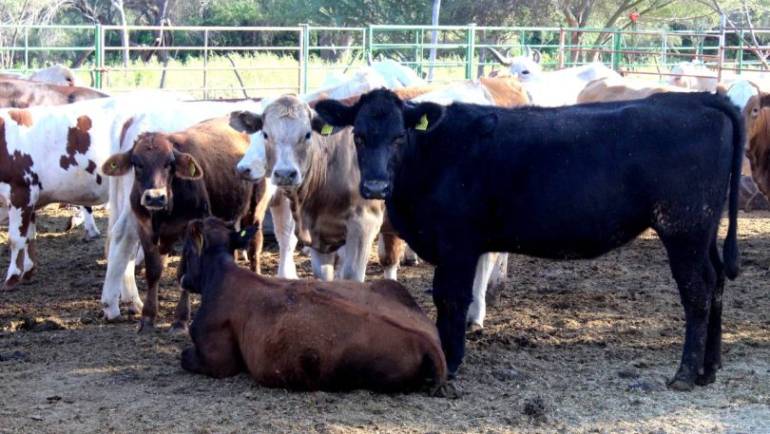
(622, 89)
(304, 335)
(27, 93)
(48, 155)
(321, 172)
(183, 176)
(17, 93)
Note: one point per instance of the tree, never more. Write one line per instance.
(434, 37)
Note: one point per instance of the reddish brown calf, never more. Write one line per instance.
(305, 335)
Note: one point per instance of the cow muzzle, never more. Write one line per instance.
(376, 189)
(246, 173)
(286, 177)
(155, 199)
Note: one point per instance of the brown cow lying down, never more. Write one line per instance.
(297, 334)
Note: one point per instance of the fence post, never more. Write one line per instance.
(470, 49)
(206, 64)
(721, 52)
(664, 49)
(370, 42)
(26, 49)
(304, 56)
(616, 50)
(740, 52)
(562, 37)
(98, 55)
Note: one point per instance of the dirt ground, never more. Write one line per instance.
(583, 346)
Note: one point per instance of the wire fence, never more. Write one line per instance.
(229, 62)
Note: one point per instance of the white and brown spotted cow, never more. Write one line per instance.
(53, 154)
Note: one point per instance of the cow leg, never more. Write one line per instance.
(410, 257)
(696, 278)
(390, 249)
(283, 224)
(92, 231)
(120, 282)
(20, 261)
(153, 268)
(712, 360)
(214, 351)
(498, 278)
(477, 311)
(323, 265)
(452, 283)
(255, 249)
(361, 232)
(182, 313)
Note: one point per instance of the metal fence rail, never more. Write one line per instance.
(209, 62)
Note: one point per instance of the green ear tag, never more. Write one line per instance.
(192, 170)
(423, 124)
(326, 130)
(243, 233)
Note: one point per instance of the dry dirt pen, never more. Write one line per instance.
(580, 346)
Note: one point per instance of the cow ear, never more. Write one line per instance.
(118, 164)
(239, 240)
(319, 125)
(536, 56)
(424, 116)
(335, 113)
(195, 233)
(186, 167)
(245, 122)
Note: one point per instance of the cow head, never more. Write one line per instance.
(253, 165)
(522, 67)
(380, 121)
(207, 235)
(155, 161)
(286, 129)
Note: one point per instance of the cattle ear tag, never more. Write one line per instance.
(243, 233)
(192, 170)
(326, 130)
(422, 125)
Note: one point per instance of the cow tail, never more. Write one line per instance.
(731, 255)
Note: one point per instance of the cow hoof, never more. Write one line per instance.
(72, 224)
(26, 277)
(12, 283)
(146, 325)
(90, 237)
(446, 390)
(178, 328)
(680, 384)
(707, 378)
(134, 309)
(410, 262)
(111, 313)
(474, 328)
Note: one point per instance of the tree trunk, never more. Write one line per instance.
(434, 37)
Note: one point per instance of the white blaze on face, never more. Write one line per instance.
(255, 159)
(286, 132)
(524, 68)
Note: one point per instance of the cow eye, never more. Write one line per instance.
(525, 72)
(264, 134)
(358, 140)
(401, 138)
(307, 136)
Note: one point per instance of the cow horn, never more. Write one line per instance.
(504, 60)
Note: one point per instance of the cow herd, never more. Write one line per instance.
(567, 164)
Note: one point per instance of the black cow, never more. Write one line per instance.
(565, 183)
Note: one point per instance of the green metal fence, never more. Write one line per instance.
(215, 62)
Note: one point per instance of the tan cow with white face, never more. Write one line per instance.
(321, 172)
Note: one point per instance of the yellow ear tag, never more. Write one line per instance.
(326, 130)
(192, 170)
(423, 124)
(243, 233)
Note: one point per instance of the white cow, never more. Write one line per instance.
(386, 73)
(56, 74)
(553, 88)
